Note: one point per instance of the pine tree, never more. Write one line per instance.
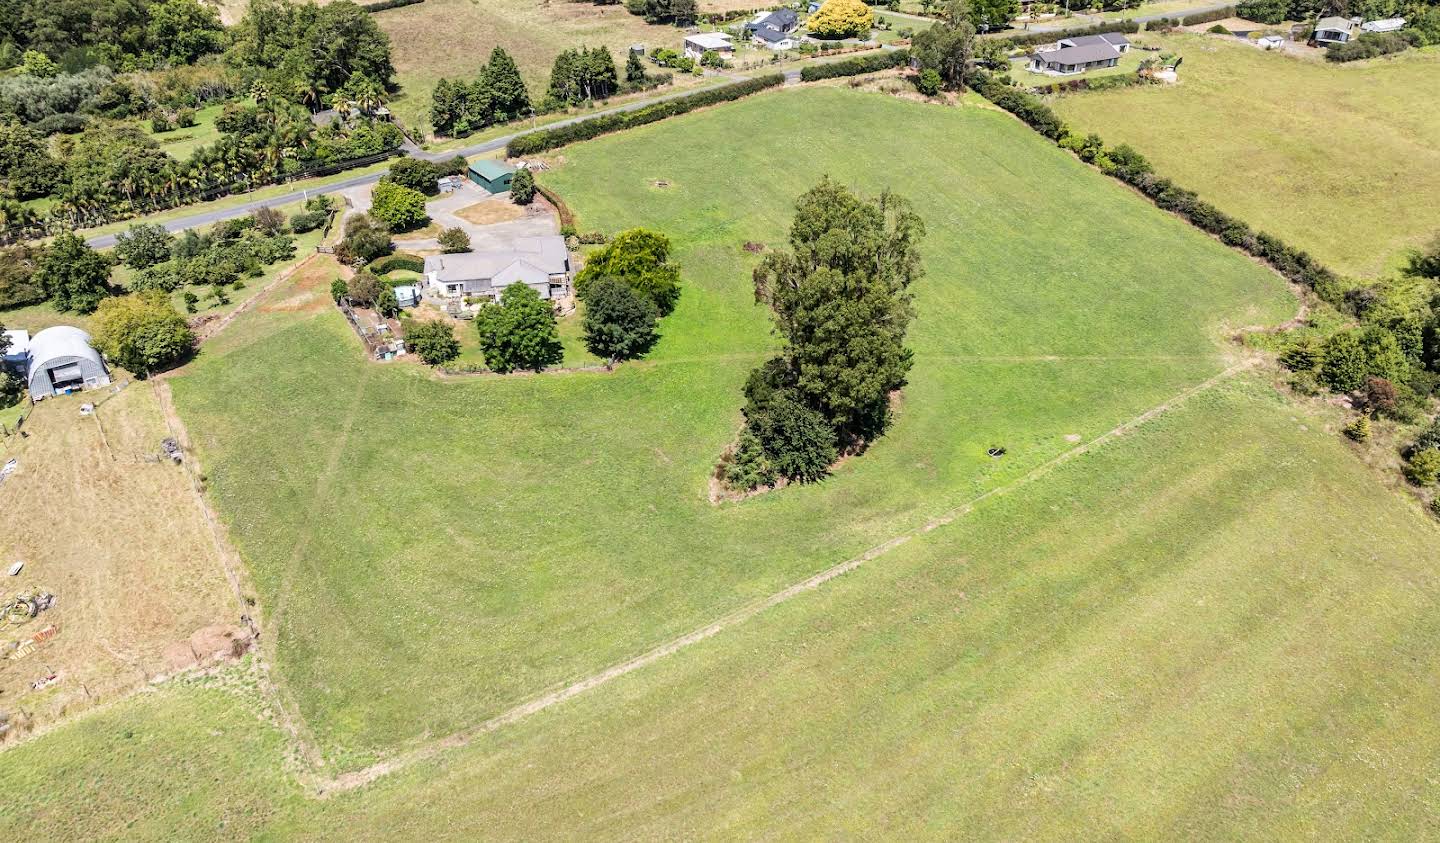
(508, 96)
(443, 108)
(634, 69)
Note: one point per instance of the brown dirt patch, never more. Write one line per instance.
(491, 211)
(309, 288)
(117, 535)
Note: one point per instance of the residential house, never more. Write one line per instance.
(1069, 56)
(540, 263)
(1334, 30)
(784, 21)
(696, 46)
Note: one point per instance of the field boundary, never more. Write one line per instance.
(325, 787)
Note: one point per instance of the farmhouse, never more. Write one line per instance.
(773, 29)
(60, 360)
(774, 39)
(494, 176)
(1334, 30)
(540, 263)
(696, 46)
(1077, 55)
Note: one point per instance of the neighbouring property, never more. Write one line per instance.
(56, 361)
(1069, 56)
(1334, 30)
(468, 279)
(775, 30)
(494, 176)
(696, 46)
(1385, 25)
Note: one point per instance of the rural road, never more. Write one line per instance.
(106, 241)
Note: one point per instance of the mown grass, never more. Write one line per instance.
(1341, 160)
(1214, 627)
(471, 543)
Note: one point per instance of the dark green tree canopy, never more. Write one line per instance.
(74, 276)
(640, 258)
(144, 245)
(434, 341)
(519, 331)
(619, 323)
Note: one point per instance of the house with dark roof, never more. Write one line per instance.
(1069, 56)
(783, 20)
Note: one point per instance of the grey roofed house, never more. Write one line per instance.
(772, 36)
(62, 360)
(784, 20)
(541, 263)
(1068, 60)
(1113, 39)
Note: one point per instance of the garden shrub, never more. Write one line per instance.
(1423, 468)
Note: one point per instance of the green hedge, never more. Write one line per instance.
(399, 260)
(1208, 17)
(1032, 38)
(854, 67)
(1101, 83)
(546, 139)
(382, 5)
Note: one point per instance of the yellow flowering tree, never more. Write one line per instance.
(841, 19)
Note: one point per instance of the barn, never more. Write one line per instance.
(63, 361)
(494, 176)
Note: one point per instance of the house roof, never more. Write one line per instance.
(771, 35)
(58, 343)
(710, 41)
(1113, 39)
(546, 255)
(781, 19)
(520, 270)
(19, 344)
(489, 169)
(1079, 55)
(1336, 23)
(1386, 25)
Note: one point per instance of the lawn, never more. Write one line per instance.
(1341, 160)
(180, 143)
(1216, 627)
(476, 541)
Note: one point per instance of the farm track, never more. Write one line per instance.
(322, 787)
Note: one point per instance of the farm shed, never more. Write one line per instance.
(494, 176)
(62, 361)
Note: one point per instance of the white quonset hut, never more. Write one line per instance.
(63, 361)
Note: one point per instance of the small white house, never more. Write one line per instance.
(1270, 42)
(407, 295)
(1334, 30)
(1386, 25)
(696, 46)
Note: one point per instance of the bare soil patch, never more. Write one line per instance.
(309, 290)
(490, 212)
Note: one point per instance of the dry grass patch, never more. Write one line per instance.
(309, 289)
(117, 534)
(490, 212)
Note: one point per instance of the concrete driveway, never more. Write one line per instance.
(537, 220)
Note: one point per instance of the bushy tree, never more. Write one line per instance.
(1423, 469)
(181, 31)
(841, 19)
(18, 284)
(416, 175)
(74, 276)
(798, 441)
(1359, 430)
(453, 240)
(26, 168)
(842, 303)
(142, 332)
(1344, 367)
(619, 323)
(640, 258)
(948, 48)
(269, 221)
(364, 240)
(519, 331)
(634, 69)
(339, 288)
(434, 341)
(522, 187)
(364, 288)
(928, 82)
(144, 245)
(747, 467)
(386, 304)
(398, 208)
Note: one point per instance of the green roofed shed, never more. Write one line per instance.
(494, 176)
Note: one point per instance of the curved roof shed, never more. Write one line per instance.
(62, 360)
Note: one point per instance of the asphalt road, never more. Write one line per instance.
(300, 193)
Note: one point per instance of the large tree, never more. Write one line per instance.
(144, 245)
(640, 258)
(26, 168)
(142, 332)
(74, 276)
(619, 323)
(842, 303)
(841, 19)
(948, 48)
(519, 331)
(434, 341)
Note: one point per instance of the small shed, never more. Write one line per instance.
(494, 176)
(63, 361)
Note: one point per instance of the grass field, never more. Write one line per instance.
(180, 143)
(1215, 627)
(1341, 160)
(453, 38)
(476, 542)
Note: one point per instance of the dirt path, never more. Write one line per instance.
(359, 778)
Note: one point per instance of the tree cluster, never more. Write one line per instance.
(640, 259)
(841, 301)
(142, 332)
(58, 36)
(583, 74)
(307, 53)
(433, 341)
(497, 95)
(678, 12)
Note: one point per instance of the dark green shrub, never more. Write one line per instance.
(872, 63)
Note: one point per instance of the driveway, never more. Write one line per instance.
(537, 220)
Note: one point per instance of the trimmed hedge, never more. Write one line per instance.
(1101, 83)
(884, 60)
(1208, 17)
(399, 260)
(382, 5)
(1031, 38)
(1130, 166)
(546, 139)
